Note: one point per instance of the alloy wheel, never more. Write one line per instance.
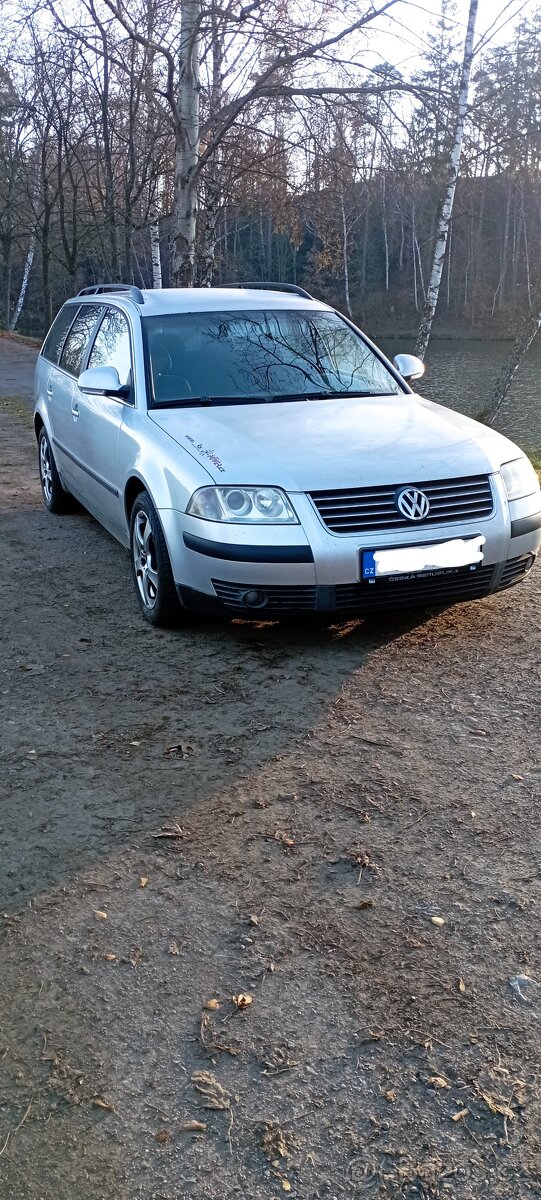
(45, 470)
(145, 560)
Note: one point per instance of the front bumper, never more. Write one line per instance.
(256, 602)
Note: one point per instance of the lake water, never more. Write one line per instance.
(461, 374)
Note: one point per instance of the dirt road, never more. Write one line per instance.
(325, 795)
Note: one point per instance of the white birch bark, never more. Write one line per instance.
(155, 255)
(24, 283)
(442, 233)
(187, 136)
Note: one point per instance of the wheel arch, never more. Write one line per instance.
(134, 486)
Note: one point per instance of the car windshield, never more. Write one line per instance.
(259, 356)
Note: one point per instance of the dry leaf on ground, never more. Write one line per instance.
(193, 1126)
(216, 1096)
(438, 1082)
(243, 1000)
(99, 1103)
(100, 914)
(276, 1142)
(143, 881)
(162, 1135)
(212, 1005)
(171, 831)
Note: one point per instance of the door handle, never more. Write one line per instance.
(49, 389)
(74, 410)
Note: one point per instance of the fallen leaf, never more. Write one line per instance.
(365, 904)
(171, 831)
(519, 778)
(254, 920)
(216, 1096)
(100, 914)
(438, 1081)
(243, 1000)
(286, 1185)
(162, 1135)
(460, 1115)
(496, 1106)
(461, 985)
(284, 838)
(391, 1095)
(193, 1126)
(437, 920)
(110, 957)
(134, 743)
(212, 1004)
(277, 1143)
(99, 1103)
(173, 948)
(143, 881)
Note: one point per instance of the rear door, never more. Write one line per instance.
(101, 419)
(64, 395)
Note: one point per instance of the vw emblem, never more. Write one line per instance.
(413, 504)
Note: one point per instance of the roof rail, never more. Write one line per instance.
(99, 289)
(272, 287)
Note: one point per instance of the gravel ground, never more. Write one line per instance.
(336, 827)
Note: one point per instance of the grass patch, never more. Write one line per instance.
(21, 338)
(17, 407)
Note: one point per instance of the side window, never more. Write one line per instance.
(79, 337)
(52, 346)
(112, 345)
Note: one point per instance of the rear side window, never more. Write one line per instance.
(112, 345)
(52, 346)
(79, 337)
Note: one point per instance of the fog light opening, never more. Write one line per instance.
(255, 599)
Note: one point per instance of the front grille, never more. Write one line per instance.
(280, 598)
(514, 570)
(383, 594)
(359, 510)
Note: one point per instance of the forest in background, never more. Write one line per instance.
(313, 168)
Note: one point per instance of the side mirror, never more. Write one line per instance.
(102, 381)
(409, 366)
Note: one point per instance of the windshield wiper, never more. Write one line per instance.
(210, 401)
(323, 395)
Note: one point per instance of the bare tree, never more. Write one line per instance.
(442, 233)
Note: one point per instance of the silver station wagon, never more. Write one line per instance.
(259, 456)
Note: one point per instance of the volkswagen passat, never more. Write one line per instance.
(260, 456)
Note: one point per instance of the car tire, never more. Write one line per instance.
(55, 498)
(152, 575)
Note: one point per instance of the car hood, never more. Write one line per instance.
(352, 442)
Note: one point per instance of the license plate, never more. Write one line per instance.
(423, 561)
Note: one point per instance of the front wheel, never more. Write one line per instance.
(55, 499)
(153, 577)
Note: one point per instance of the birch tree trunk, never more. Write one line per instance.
(187, 134)
(526, 336)
(26, 276)
(155, 255)
(442, 233)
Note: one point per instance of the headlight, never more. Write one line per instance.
(243, 505)
(520, 478)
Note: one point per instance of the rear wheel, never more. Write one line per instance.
(55, 499)
(153, 577)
